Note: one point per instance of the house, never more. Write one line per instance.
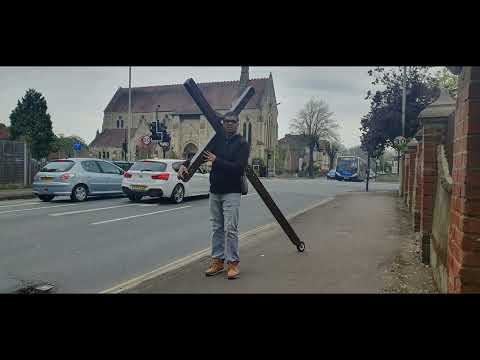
(296, 153)
(4, 132)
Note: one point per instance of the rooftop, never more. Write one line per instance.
(175, 98)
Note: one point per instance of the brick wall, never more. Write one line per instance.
(411, 176)
(464, 234)
(433, 132)
(416, 207)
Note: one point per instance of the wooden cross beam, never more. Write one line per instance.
(215, 119)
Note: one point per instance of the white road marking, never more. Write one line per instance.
(21, 204)
(140, 215)
(38, 208)
(89, 210)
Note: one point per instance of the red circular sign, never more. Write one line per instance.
(146, 140)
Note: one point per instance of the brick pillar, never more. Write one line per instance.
(463, 257)
(412, 156)
(416, 189)
(406, 175)
(433, 133)
(434, 121)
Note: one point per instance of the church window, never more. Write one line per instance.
(250, 133)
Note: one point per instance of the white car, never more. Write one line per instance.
(158, 178)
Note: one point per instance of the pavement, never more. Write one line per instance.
(97, 245)
(16, 194)
(351, 244)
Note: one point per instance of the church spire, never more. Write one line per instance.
(244, 78)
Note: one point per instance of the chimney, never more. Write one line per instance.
(243, 79)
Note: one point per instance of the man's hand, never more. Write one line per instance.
(182, 171)
(209, 156)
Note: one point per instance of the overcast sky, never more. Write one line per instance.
(77, 96)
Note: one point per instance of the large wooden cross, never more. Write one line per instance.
(215, 119)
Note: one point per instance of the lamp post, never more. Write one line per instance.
(129, 111)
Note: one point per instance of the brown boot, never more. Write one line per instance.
(233, 271)
(215, 267)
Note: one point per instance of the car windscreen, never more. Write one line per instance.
(58, 166)
(149, 166)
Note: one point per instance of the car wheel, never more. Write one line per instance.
(46, 198)
(79, 193)
(178, 194)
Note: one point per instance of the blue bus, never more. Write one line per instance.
(351, 168)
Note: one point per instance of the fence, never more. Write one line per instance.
(12, 163)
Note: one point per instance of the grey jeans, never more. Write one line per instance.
(224, 213)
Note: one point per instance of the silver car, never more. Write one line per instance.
(78, 178)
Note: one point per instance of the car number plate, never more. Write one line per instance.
(47, 179)
(139, 187)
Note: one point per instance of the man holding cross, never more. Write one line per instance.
(229, 158)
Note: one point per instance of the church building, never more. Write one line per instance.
(187, 126)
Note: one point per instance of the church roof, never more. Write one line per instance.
(110, 138)
(174, 98)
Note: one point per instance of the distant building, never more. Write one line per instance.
(4, 132)
(188, 127)
(297, 152)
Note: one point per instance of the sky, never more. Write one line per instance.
(77, 96)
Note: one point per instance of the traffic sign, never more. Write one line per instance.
(146, 140)
(77, 146)
(399, 140)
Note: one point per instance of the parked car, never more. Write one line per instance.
(158, 178)
(125, 165)
(331, 174)
(78, 178)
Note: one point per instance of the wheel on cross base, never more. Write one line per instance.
(301, 246)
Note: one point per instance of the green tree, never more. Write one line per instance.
(31, 122)
(447, 80)
(64, 145)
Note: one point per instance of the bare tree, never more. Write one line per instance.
(332, 149)
(315, 122)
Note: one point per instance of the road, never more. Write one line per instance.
(92, 246)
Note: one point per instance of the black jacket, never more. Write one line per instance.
(232, 159)
(229, 166)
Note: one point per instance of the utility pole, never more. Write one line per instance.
(404, 100)
(25, 162)
(368, 170)
(129, 110)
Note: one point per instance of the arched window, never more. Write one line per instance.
(245, 131)
(104, 154)
(250, 133)
(99, 154)
(108, 155)
(118, 124)
(121, 123)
